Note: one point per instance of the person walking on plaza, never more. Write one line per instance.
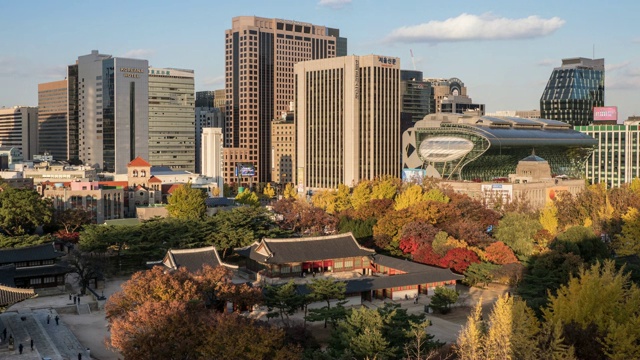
(74, 299)
(20, 347)
(48, 318)
(57, 319)
(78, 299)
(31, 344)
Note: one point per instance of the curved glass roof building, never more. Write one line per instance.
(482, 148)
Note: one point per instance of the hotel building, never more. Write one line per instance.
(259, 83)
(347, 120)
(112, 97)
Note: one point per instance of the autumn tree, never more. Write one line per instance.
(248, 197)
(628, 242)
(385, 188)
(604, 297)
(499, 253)
(469, 345)
(23, 210)
(549, 218)
(290, 192)
(459, 259)
(269, 192)
(411, 195)
(361, 194)
(186, 202)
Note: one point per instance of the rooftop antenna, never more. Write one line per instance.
(594, 51)
(413, 61)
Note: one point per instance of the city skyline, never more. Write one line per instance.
(504, 52)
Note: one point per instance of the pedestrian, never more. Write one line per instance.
(74, 299)
(78, 299)
(31, 344)
(48, 318)
(20, 347)
(79, 356)
(57, 319)
(69, 296)
(4, 333)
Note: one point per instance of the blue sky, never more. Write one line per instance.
(503, 51)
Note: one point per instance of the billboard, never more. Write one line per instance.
(605, 113)
(413, 175)
(245, 170)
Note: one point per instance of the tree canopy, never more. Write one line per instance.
(186, 202)
(23, 210)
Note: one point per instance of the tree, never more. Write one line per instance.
(361, 194)
(586, 244)
(359, 336)
(247, 197)
(385, 188)
(72, 219)
(459, 259)
(443, 298)
(187, 203)
(269, 191)
(326, 289)
(603, 296)
(410, 196)
(469, 345)
(23, 210)
(479, 273)
(421, 344)
(290, 192)
(23, 241)
(499, 253)
(342, 199)
(549, 218)
(512, 330)
(517, 231)
(628, 243)
(87, 268)
(435, 194)
(284, 299)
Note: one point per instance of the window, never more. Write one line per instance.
(285, 269)
(49, 279)
(338, 264)
(296, 268)
(35, 281)
(348, 263)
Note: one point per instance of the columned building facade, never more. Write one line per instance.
(260, 54)
(347, 120)
(172, 134)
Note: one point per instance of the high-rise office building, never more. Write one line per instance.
(112, 97)
(283, 148)
(260, 54)
(19, 129)
(52, 119)
(573, 90)
(417, 95)
(204, 98)
(450, 96)
(172, 130)
(616, 159)
(347, 119)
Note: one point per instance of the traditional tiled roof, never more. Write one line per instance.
(192, 259)
(11, 295)
(44, 270)
(30, 253)
(154, 179)
(138, 162)
(404, 265)
(169, 188)
(282, 251)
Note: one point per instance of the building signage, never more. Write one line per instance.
(131, 72)
(387, 60)
(605, 113)
(357, 80)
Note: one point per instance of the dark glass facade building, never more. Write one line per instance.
(417, 95)
(573, 90)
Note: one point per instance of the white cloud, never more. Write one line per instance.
(143, 54)
(217, 80)
(548, 62)
(468, 27)
(334, 4)
(614, 67)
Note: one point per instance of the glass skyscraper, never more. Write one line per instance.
(573, 90)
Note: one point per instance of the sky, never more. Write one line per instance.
(503, 51)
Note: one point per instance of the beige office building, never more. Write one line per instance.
(348, 120)
(172, 128)
(52, 119)
(260, 54)
(283, 148)
(19, 129)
